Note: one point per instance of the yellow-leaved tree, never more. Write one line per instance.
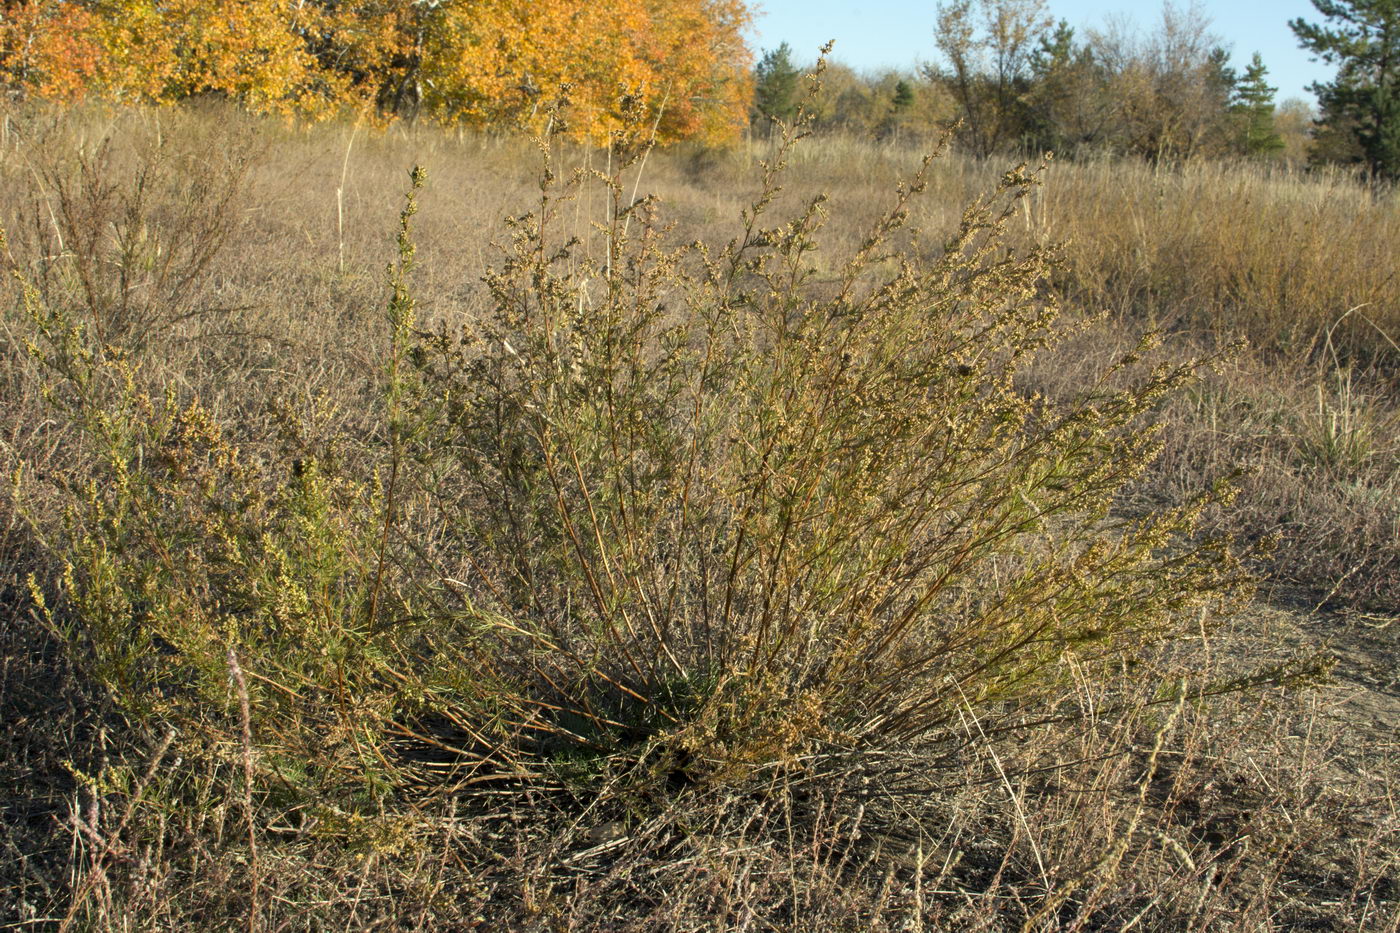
(496, 62)
(251, 51)
(49, 47)
(477, 62)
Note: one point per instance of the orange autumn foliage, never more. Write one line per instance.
(498, 61)
(48, 46)
(168, 50)
(478, 62)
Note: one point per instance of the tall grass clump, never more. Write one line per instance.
(1297, 262)
(668, 516)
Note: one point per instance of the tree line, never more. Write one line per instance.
(1008, 77)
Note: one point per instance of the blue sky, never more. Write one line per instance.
(877, 34)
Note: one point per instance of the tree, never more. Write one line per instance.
(775, 86)
(497, 62)
(47, 47)
(1293, 121)
(1254, 102)
(903, 97)
(901, 104)
(248, 51)
(871, 105)
(1362, 39)
(1169, 91)
(680, 65)
(988, 64)
(1068, 107)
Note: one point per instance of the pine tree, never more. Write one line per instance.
(1361, 38)
(901, 101)
(775, 86)
(1254, 102)
(903, 97)
(1066, 93)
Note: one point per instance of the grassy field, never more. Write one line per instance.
(372, 567)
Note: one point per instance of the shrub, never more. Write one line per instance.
(737, 510)
(667, 513)
(128, 221)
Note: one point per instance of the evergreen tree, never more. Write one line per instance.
(1361, 38)
(1056, 51)
(1067, 100)
(1254, 102)
(775, 86)
(901, 102)
(903, 98)
(1222, 81)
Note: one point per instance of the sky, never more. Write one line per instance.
(876, 34)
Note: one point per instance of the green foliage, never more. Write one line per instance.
(1066, 80)
(189, 560)
(1254, 101)
(776, 81)
(903, 97)
(899, 111)
(1362, 39)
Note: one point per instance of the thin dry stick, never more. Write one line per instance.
(340, 196)
(642, 166)
(918, 918)
(53, 217)
(1107, 865)
(246, 716)
(1331, 348)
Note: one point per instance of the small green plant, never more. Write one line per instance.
(191, 563)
